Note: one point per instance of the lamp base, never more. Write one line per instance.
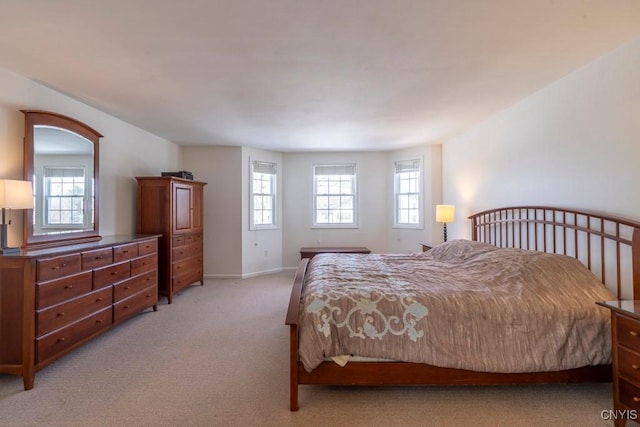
(4, 251)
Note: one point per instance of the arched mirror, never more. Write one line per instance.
(61, 160)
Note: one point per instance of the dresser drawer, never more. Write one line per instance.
(63, 314)
(59, 290)
(147, 247)
(61, 340)
(628, 332)
(186, 279)
(144, 264)
(179, 241)
(106, 276)
(134, 285)
(132, 305)
(189, 264)
(195, 248)
(189, 239)
(96, 258)
(181, 252)
(54, 268)
(125, 252)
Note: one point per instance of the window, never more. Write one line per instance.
(64, 197)
(408, 193)
(334, 195)
(263, 195)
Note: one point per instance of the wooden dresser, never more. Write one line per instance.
(625, 335)
(53, 300)
(173, 207)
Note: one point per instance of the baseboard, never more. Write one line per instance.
(262, 273)
(246, 275)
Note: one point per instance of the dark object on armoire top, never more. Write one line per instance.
(179, 174)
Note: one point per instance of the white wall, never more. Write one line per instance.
(221, 168)
(375, 188)
(575, 143)
(261, 249)
(125, 151)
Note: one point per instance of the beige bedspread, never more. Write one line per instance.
(463, 304)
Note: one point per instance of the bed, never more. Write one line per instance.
(607, 253)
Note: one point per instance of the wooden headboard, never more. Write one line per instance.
(607, 245)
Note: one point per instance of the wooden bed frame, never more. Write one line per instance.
(608, 246)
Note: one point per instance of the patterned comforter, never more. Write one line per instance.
(463, 304)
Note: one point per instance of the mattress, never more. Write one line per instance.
(463, 304)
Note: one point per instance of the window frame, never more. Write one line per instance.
(406, 164)
(274, 195)
(354, 195)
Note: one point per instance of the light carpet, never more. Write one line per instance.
(218, 356)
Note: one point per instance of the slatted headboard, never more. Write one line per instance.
(608, 246)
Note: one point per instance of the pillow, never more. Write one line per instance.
(460, 250)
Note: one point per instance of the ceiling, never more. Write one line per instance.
(307, 75)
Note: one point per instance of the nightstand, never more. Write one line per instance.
(625, 341)
(310, 252)
(428, 245)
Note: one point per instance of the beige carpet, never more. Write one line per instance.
(218, 356)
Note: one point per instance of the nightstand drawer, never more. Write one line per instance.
(629, 364)
(629, 394)
(628, 332)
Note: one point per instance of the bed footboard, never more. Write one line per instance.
(292, 321)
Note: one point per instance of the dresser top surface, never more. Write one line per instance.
(63, 249)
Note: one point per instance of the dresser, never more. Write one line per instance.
(173, 207)
(53, 300)
(625, 341)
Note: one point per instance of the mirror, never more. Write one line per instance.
(61, 160)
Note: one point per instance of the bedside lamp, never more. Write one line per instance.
(444, 214)
(13, 195)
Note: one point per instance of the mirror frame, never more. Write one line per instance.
(45, 118)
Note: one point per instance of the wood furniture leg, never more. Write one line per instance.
(293, 366)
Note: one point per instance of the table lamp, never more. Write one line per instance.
(13, 195)
(444, 214)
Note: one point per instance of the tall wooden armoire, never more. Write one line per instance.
(173, 207)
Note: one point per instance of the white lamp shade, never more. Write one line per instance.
(16, 194)
(444, 213)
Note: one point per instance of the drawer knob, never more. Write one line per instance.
(69, 287)
(61, 314)
(125, 252)
(99, 257)
(99, 299)
(127, 288)
(98, 320)
(636, 399)
(113, 273)
(634, 366)
(126, 307)
(633, 333)
(61, 339)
